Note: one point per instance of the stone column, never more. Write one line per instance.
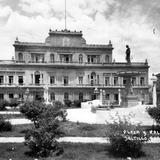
(46, 94)
(154, 94)
(101, 96)
(119, 96)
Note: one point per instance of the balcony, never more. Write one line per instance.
(76, 63)
(11, 85)
(36, 85)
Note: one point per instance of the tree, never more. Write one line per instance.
(32, 110)
(41, 139)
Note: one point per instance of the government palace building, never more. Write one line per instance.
(65, 67)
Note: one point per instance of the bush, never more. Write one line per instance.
(41, 139)
(68, 103)
(5, 125)
(77, 103)
(32, 110)
(14, 103)
(154, 112)
(3, 104)
(125, 139)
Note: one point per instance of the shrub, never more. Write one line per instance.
(32, 110)
(68, 103)
(77, 103)
(154, 112)
(5, 125)
(14, 103)
(3, 104)
(125, 138)
(41, 139)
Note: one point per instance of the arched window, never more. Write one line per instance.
(20, 56)
(80, 58)
(107, 59)
(93, 79)
(81, 96)
(51, 58)
(52, 96)
(66, 96)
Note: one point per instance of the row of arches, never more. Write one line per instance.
(52, 58)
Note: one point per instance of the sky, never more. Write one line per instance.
(132, 22)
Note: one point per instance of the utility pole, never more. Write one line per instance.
(65, 17)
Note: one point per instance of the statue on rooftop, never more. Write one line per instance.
(128, 52)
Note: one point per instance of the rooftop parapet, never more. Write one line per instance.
(65, 32)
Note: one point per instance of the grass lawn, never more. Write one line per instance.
(17, 131)
(83, 129)
(76, 152)
(69, 128)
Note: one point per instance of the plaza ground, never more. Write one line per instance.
(138, 114)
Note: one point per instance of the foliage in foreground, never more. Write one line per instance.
(126, 139)
(3, 104)
(5, 125)
(154, 112)
(12, 103)
(41, 139)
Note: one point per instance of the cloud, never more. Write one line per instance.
(5, 11)
(123, 22)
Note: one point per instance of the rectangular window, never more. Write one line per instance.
(124, 81)
(1, 80)
(142, 81)
(10, 80)
(80, 80)
(52, 96)
(66, 96)
(52, 80)
(11, 96)
(115, 97)
(115, 81)
(66, 58)
(133, 81)
(107, 81)
(1, 96)
(52, 58)
(65, 80)
(93, 58)
(20, 80)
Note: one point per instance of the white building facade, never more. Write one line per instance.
(65, 67)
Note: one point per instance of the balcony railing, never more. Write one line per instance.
(69, 85)
(81, 63)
